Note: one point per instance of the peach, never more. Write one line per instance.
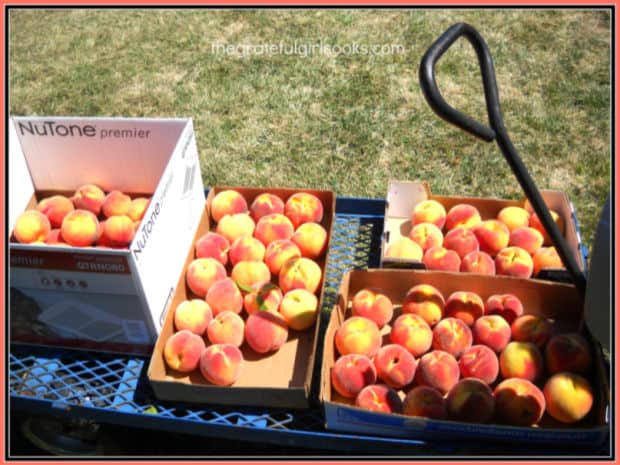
(182, 351)
(358, 335)
(116, 203)
(379, 398)
(405, 248)
(514, 261)
(479, 362)
(224, 295)
(426, 235)
(89, 197)
(55, 238)
(373, 305)
(569, 397)
(278, 252)
(221, 364)
(138, 208)
(440, 258)
(299, 273)
(227, 202)
(429, 211)
(299, 308)
(32, 226)
(478, 262)
(492, 331)
(212, 245)
(532, 328)
(493, 236)
(537, 224)
(546, 257)
(226, 328)
(518, 402)
(80, 228)
(395, 365)
(246, 248)
(235, 226)
(413, 333)
(529, 239)
(514, 217)
(264, 296)
(55, 208)
(266, 204)
(452, 335)
(351, 373)
(426, 301)
(118, 231)
(462, 215)
(273, 227)
(248, 274)
(464, 305)
(461, 240)
(193, 315)
(425, 402)
(439, 370)
(521, 360)
(568, 352)
(311, 238)
(202, 273)
(303, 207)
(265, 331)
(471, 400)
(508, 306)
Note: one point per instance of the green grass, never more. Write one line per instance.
(348, 123)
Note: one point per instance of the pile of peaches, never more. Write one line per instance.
(514, 244)
(460, 358)
(88, 218)
(254, 277)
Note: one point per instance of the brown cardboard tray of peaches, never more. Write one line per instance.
(431, 354)
(242, 325)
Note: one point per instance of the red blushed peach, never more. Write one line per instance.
(202, 273)
(471, 400)
(514, 217)
(300, 273)
(138, 207)
(518, 402)
(249, 274)
(182, 351)
(373, 305)
(569, 397)
(227, 202)
(55, 238)
(453, 336)
(461, 240)
(212, 245)
(521, 360)
(303, 207)
(529, 239)
(379, 398)
(514, 261)
(508, 306)
(80, 228)
(89, 197)
(426, 301)
(425, 402)
(479, 362)
(226, 328)
(405, 248)
(32, 226)
(311, 238)
(464, 305)
(118, 231)
(426, 235)
(55, 208)
(537, 224)
(193, 315)
(462, 215)
(429, 211)
(546, 257)
(351, 373)
(246, 248)
(273, 227)
(278, 252)
(116, 203)
(299, 308)
(532, 328)
(221, 364)
(235, 226)
(439, 370)
(568, 352)
(395, 365)
(265, 331)
(358, 335)
(492, 331)
(266, 204)
(413, 333)
(478, 262)
(439, 258)
(493, 236)
(224, 295)
(264, 296)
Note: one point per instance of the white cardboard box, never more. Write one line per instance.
(104, 299)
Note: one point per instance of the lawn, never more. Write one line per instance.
(342, 121)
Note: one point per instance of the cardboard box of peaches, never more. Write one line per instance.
(242, 326)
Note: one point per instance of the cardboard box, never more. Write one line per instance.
(89, 297)
(558, 300)
(403, 196)
(279, 379)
